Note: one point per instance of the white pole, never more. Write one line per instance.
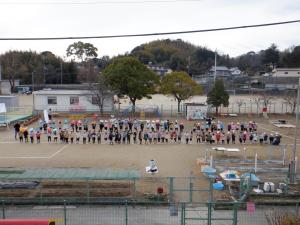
(211, 161)
(296, 128)
(215, 66)
(296, 163)
(245, 157)
(255, 163)
(283, 157)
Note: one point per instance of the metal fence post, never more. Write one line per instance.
(171, 188)
(235, 215)
(171, 110)
(126, 212)
(3, 209)
(210, 190)
(88, 191)
(209, 213)
(191, 191)
(182, 214)
(65, 213)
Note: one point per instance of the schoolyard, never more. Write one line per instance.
(172, 159)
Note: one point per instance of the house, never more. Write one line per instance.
(159, 70)
(235, 71)
(221, 71)
(280, 83)
(70, 101)
(286, 72)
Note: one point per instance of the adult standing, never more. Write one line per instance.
(17, 129)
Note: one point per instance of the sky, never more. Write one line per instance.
(56, 18)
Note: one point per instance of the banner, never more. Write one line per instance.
(196, 112)
(2, 108)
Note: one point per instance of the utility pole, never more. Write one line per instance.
(61, 73)
(215, 66)
(32, 80)
(189, 63)
(294, 162)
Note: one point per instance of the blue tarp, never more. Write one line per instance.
(218, 186)
(251, 176)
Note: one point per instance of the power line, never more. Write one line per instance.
(146, 34)
(96, 2)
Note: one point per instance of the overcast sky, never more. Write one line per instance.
(52, 18)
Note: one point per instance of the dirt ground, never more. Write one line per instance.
(173, 160)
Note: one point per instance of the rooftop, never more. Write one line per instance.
(61, 92)
(69, 173)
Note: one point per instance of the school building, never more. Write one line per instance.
(71, 101)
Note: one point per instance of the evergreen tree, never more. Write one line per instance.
(218, 96)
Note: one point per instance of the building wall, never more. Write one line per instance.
(11, 102)
(287, 73)
(63, 103)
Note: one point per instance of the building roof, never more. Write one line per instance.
(61, 92)
(219, 68)
(69, 173)
(287, 69)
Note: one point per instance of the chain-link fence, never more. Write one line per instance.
(130, 213)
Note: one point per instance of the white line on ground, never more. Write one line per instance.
(35, 157)
(59, 151)
(274, 131)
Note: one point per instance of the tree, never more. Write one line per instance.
(128, 76)
(218, 95)
(180, 86)
(82, 51)
(271, 56)
(100, 91)
(290, 98)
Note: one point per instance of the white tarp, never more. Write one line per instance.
(2, 108)
(46, 117)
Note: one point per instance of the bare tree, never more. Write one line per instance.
(264, 100)
(100, 92)
(290, 98)
(240, 103)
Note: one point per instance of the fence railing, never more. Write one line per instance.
(130, 213)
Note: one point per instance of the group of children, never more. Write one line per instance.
(126, 131)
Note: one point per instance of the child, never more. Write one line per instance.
(55, 136)
(72, 135)
(31, 134)
(110, 137)
(134, 136)
(93, 135)
(21, 136)
(187, 137)
(99, 137)
(49, 134)
(140, 136)
(84, 137)
(38, 137)
(26, 136)
(77, 134)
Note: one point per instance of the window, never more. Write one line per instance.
(52, 101)
(74, 100)
(298, 72)
(286, 72)
(94, 100)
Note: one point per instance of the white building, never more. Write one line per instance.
(70, 101)
(286, 72)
